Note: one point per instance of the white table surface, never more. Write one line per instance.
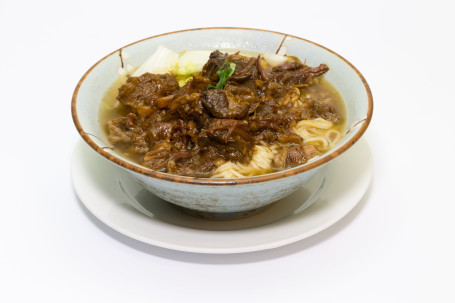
(397, 245)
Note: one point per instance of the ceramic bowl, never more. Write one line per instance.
(221, 195)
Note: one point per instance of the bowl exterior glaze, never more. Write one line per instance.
(221, 195)
(224, 198)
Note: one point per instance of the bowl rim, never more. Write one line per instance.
(215, 181)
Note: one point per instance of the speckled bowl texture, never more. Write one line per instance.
(221, 195)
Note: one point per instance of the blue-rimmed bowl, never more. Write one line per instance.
(221, 195)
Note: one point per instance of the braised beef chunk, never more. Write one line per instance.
(290, 137)
(294, 74)
(289, 157)
(125, 131)
(190, 130)
(227, 139)
(310, 151)
(325, 110)
(162, 131)
(230, 103)
(245, 68)
(139, 93)
(159, 157)
(215, 101)
(189, 107)
(180, 163)
(214, 64)
(296, 156)
(288, 66)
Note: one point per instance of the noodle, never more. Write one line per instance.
(260, 163)
(317, 132)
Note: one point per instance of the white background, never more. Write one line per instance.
(396, 246)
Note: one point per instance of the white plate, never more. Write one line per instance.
(104, 190)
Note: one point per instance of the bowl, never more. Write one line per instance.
(241, 195)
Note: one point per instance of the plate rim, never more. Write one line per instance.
(82, 194)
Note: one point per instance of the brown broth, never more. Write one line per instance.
(323, 89)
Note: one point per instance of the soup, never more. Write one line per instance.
(239, 115)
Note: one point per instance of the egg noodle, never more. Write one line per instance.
(318, 132)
